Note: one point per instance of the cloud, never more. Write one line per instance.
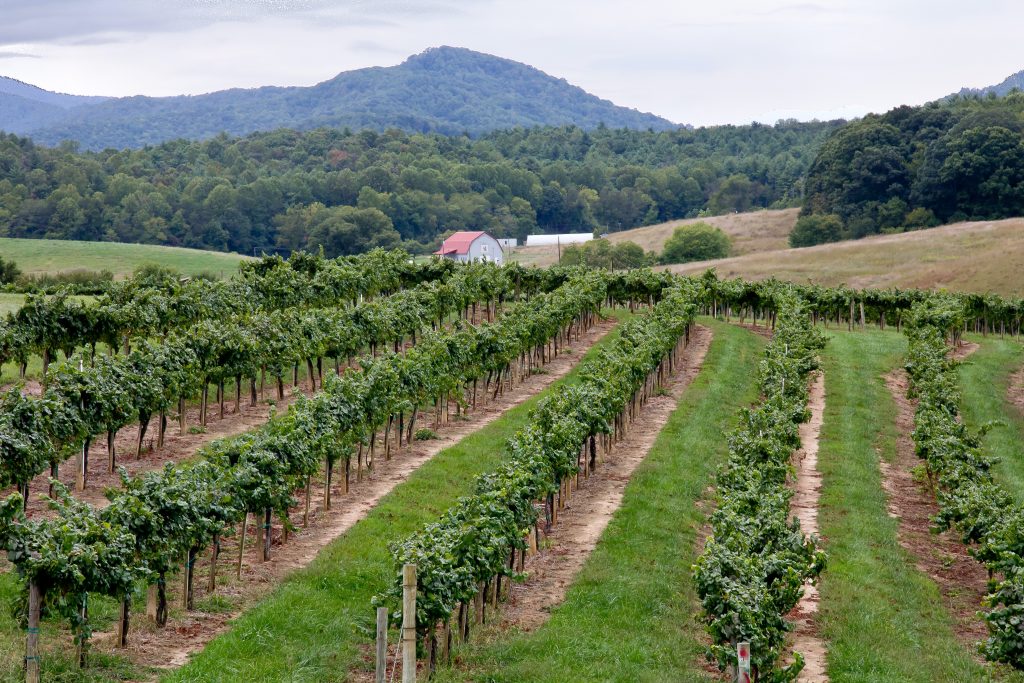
(73, 22)
(8, 54)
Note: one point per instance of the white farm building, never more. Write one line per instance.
(469, 246)
(563, 239)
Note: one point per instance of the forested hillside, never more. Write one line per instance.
(916, 167)
(446, 90)
(348, 191)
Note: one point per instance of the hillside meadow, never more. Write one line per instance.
(39, 256)
(979, 256)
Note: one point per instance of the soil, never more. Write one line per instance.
(962, 581)
(805, 638)
(765, 331)
(178, 446)
(1015, 393)
(963, 350)
(591, 506)
(188, 633)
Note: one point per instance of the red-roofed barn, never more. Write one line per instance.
(474, 245)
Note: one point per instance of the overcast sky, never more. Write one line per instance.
(718, 61)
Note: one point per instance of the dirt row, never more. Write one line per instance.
(805, 637)
(589, 507)
(187, 633)
(1015, 393)
(179, 445)
(961, 580)
(588, 512)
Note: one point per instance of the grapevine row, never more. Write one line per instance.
(985, 515)
(756, 561)
(463, 556)
(152, 304)
(82, 401)
(157, 519)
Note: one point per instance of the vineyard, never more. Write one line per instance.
(343, 469)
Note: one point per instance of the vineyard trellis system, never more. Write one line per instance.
(154, 303)
(987, 518)
(462, 558)
(161, 517)
(753, 568)
(82, 401)
(756, 561)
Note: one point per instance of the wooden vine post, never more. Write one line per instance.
(382, 644)
(241, 543)
(409, 623)
(122, 621)
(83, 455)
(32, 637)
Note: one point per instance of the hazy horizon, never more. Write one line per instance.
(736, 62)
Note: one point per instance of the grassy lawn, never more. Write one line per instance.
(56, 256)
(883, 619)
(985, 379)
(310, 628)
(629, 616)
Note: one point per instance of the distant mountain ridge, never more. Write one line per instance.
(446, 90)
(12, 86)
(1008, 85)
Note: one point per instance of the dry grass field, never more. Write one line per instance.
(976, 256)
(750, 232)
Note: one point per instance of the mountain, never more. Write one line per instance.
(1009, 84)
(446, 90)
(25, 107)
(12, 86)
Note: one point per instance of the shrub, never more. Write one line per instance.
(601, 253)
(424, 434)
(695, 242)
(920, 218)
(9, 271)
(816, 229)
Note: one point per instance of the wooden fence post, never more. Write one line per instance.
(32, 638)
(409, 623)
(382, 644)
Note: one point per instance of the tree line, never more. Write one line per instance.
(916, 167)
(351, 191)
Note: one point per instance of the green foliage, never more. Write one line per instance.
(424, 434)
(756, 561)
(695, 242)
(986, 517)
(9, 271)
(350, 191)
(914, 167)
(816, 229)
(920, 218)
(601, 253)
(472, 541)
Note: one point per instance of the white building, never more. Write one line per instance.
(564, 239)
(468, 246)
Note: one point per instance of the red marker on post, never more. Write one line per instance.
(743, 663)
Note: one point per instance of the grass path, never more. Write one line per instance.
(629, 616)
(312, 626)
(884, 619)
(985, 380)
